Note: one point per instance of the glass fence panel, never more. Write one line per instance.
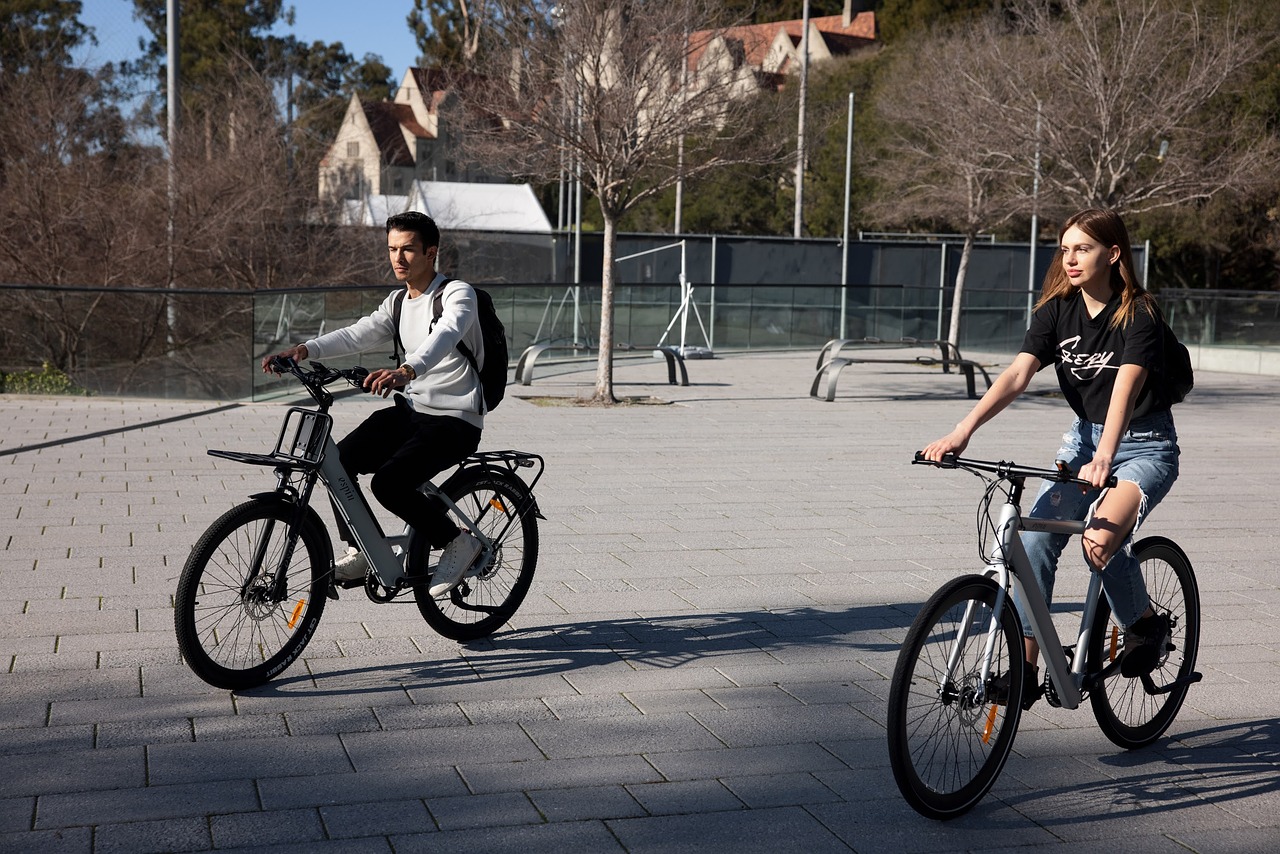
(208, 344)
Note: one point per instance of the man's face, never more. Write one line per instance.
(410, 261)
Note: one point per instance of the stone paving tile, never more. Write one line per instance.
(153, 837)
(379, 785)
(492, 810)
(588, 837)
(264, 829)
(16, 814)
(597, 802)
(751, 832)
(377, 819)
(211, 761)
(538, 774)
(150, 803)
(685, 797)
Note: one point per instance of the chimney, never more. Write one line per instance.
(848, 13)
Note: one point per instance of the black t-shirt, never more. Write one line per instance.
(1088, 354)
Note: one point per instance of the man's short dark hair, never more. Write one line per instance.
(419, 223)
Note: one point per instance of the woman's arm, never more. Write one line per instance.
(1012, 382)
(1129, 381)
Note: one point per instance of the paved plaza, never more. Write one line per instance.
(702, 664)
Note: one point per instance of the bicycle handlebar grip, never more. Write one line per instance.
(948, 461)
(282, 365)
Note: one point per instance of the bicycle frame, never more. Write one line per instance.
(1009, 564)
(305, 446)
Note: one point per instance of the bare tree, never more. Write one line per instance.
(614, 86)
(83, 213)
(1131, 104)
(948, 159)
(1137, 100)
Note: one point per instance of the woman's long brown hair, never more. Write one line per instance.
(1108, 230)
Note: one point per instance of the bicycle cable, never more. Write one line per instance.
(988, 530)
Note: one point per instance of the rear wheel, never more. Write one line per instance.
(947, 741)
(1128, 711)
(242, 612)
(500, 505)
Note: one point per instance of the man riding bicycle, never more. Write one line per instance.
(437, 421)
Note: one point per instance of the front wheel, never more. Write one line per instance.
(501, 506)
(1128, 711)
(947, 740)
(245, 610)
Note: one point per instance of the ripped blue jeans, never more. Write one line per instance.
(1148, 457)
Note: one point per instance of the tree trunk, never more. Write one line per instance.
(604, 365)
(957, 298)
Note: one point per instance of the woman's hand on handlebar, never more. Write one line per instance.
(1097, 471)
(383, 381)
(297, 353)
(953, 443)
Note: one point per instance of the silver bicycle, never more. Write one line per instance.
(950, 732)
(255, 586)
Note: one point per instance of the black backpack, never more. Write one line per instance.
(493, 376)
(1177, 374)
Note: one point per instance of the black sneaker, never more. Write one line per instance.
(1145, 644)
(998, 692)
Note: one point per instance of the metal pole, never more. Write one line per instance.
(171, 84)
(804, 86)
(577, 233)
(844, 235)
(1035, 224)
(711, 342)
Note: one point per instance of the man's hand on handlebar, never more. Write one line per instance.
(297, 353)
(383, 381)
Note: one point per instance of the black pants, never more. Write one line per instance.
(403, 449)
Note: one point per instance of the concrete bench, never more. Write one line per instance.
(524, 366)
(831, 362)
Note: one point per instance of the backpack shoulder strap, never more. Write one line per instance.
(397, 354)
(437, 309)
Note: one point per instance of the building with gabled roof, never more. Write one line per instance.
(767, 53)
(382, 147)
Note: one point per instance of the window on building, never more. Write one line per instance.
(353, 149)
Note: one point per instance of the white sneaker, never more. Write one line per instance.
(455, 560)
(352, 567)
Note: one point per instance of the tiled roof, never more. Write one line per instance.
(385, 124)
(753, 40)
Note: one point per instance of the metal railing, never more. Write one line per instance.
(128, 342)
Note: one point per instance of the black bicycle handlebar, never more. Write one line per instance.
(319, 376)
(1007, 470)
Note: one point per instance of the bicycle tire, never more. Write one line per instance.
(947, 750)
(1126, 713)
(483, 602)
(231, 631)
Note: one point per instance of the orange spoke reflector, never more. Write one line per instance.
(1115, 640)
(496, 503)
(991, 724)
(297, 612)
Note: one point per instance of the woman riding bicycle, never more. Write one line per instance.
(1104, 334)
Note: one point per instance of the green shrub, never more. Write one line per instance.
(48, 380)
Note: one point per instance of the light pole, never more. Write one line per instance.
(844, 235)
(804, 86)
